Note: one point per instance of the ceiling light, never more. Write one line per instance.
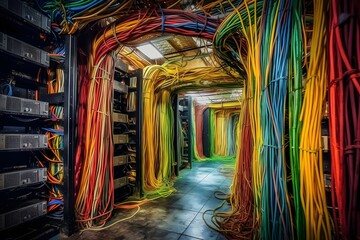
(150, 51)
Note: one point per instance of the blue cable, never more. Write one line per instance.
(59, 132)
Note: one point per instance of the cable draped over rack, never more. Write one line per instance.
(67, 16)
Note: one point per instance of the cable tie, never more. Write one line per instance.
(350, 74)
(106, 78)
(275, 80)
(101, 112)
(296, 89)
(147, 95)
(102, 69)
(309, 150)
(310, 78)
(350, 149)
(335, 81)
(273, 146)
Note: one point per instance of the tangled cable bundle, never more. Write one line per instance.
(67, 16)
(243, 54)
(130, 29)
(344, 116)
(231, 43)
(239, 223)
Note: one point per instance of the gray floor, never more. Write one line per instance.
(178, 216)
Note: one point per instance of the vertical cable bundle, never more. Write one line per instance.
(158, 150)
(95, 196)
(231, 134)
(295, 101)
(344, 117)
(212, 132)
(220, 133)
(197, 124)
(312, 186)
(276, 212)
(165, 123)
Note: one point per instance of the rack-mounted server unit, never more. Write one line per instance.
(23, 214)
(19, 9)
(22, 178)
(16, 105)
(23, 141)
(22, 50)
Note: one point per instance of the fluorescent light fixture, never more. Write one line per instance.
(150, 51)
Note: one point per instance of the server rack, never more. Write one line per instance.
(177, 132)
(184, 106)
(206, 133)
(24, 117)
(135, 88)
(127, 121)
(70, 123)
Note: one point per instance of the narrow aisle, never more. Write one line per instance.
(178, 216)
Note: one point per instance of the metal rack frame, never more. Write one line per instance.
(70, 122)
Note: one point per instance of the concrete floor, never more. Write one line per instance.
(178, 216)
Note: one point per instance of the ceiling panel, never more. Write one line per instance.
(164, 47)
(227, 95)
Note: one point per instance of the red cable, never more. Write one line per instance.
(199, 119)
(344, 116)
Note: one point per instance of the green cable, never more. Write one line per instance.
(295, 102)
